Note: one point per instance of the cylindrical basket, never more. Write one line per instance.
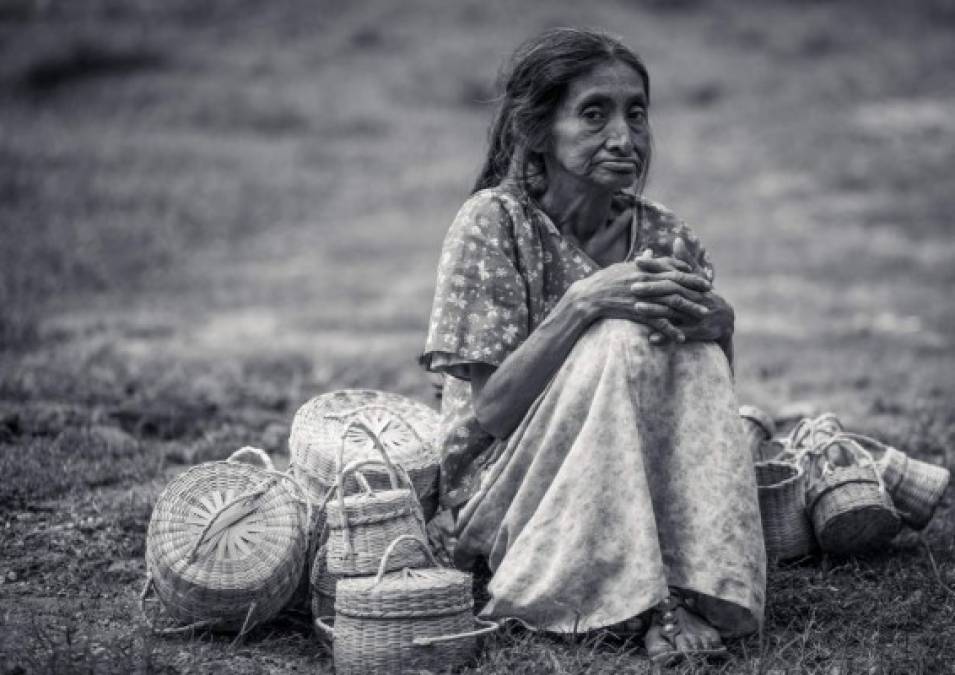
(758, 428)
(405, 622)
(226, 545)
(849, 506)
(787, 531)
(407, 428)
(916, 486)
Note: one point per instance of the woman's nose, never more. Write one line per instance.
(618, 136)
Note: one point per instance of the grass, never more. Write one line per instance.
(211, 212)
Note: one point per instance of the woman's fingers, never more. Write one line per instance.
(676, 305)
(662, 265)
(687, 280)
(667, 329)
(688, 285)
(681, 251)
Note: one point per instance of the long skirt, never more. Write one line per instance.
(627, 476)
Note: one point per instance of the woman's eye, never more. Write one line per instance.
(593, 115)
(638, 115)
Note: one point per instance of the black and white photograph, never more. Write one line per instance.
(477, 336)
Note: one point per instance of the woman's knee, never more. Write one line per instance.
(610, 338)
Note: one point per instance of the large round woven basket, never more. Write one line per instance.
(407, 428)
(849, 505)
(409, 621)
(787, 531)
(226, 545)
(361, 526)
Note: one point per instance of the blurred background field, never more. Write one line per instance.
(211, 211)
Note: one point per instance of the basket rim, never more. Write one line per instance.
(799, 470)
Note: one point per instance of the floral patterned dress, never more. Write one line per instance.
(620, 418)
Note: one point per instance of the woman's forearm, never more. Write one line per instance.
(502, 396)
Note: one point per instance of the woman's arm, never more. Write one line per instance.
(502, 396)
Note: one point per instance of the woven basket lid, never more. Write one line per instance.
(407, 593)
(407, 428)
(370, 508)
(227, 526)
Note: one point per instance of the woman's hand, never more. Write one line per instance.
(716, 323)
(656, 299)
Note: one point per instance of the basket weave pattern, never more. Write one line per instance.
(850, 509)
(373, 520)
(406, 427)
(916, 486)
(406, 621)
(787, 531)
(226, 545)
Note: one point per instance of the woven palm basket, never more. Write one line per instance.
(916, 486)
(758, 428)
(849, 505)
(409, 621)
(361, 526)
(226, 545)
(407, 428)
(787, 531)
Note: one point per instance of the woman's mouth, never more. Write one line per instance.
(620, 165)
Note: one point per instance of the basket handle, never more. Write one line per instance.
(386, 556)
(389, 465)
(324, 627)
(487, 627)
(143, 596)
(259, 456)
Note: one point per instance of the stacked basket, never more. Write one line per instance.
(407, 429)
(361, 526)
(408, 621)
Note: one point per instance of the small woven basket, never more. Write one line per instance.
(787, 531)
(405, 622)
(408, 429)
(849, 505)
(361, 526)
(226, 545)
(916, 486)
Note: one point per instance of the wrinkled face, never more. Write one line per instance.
(600, 135)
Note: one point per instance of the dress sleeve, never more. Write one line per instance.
(480, 312)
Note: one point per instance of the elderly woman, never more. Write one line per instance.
(591, 448)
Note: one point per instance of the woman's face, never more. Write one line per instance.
(600, 136)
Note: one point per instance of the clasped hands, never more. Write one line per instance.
(669, 294)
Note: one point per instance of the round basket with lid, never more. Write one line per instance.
(226, 545)
(406, 621)
(407, 428)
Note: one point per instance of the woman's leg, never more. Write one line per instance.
(571, 517)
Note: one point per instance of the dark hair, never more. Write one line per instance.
(532, 84)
